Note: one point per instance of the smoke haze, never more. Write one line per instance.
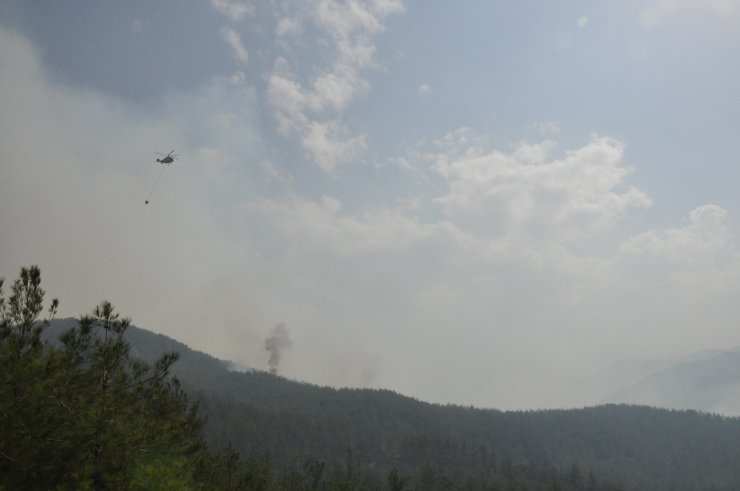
(496, 241)
(276, 342)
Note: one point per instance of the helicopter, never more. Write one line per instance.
(167, 158)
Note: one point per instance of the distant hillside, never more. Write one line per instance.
(711, 385)
(604, 383)
(634, 447)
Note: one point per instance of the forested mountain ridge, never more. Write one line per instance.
(633, 446)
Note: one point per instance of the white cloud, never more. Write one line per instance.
(526, 193)
(706, 234)
(311, 107)
(353, 17)
(235, 41)
(461, 142)
(424, 90)
(328, 149)
(289, 100)
(335, 89)
(288, 26)
(238, 79)
(295, 105)
(234, 9)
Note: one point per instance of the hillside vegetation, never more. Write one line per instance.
(637, 447)
(91, 403)
(79, 410)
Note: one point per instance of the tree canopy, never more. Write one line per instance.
(85, 414)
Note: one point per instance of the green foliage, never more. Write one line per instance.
(85, 414)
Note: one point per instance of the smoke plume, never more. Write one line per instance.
(275, 342)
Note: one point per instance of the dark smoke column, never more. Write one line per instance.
(277, 340)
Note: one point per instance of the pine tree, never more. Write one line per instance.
(85, 414)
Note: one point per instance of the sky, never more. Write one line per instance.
(483, 202)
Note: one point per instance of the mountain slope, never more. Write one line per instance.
(637, 447)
